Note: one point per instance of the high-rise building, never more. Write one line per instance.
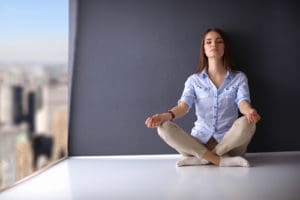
(31, 110)
(17, 104)
(23, 153)
(60, 132)
(11, 111)
(7, 104)
(54, 99)
(8, 136)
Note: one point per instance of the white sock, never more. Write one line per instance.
(233, 161)
(191, 160)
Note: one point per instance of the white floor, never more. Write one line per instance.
(272, 176)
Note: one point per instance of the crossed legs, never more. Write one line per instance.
(234, 143)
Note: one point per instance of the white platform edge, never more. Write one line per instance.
(164, 156)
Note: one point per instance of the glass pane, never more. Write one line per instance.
(33, 86)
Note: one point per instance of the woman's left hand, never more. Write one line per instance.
(252, 116)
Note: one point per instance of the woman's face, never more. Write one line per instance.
(213, 45)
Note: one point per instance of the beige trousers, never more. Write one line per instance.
(234, 142)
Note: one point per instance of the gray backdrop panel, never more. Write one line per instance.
(133, 57)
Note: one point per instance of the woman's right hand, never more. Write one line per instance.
(155, 121)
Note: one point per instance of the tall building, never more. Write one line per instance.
(54, 99)
(8, 136)
(17, 104)
(23, 153)
(60, 132)
(31, 110)
(7, 104)
(11, 111)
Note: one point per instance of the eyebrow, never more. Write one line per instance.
(216, 38)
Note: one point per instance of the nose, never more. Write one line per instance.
(213, 44)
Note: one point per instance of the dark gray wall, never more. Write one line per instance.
(132, 58)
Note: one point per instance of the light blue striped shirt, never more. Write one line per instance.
(216, 109)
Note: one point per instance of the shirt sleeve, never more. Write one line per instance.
(243, 90)
(188, 95)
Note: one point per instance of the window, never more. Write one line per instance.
(33, 86)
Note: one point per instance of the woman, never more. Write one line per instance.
(218, 91)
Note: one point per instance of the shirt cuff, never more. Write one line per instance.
(186, 100)
(242, 99)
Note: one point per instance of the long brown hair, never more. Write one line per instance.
(226, 57)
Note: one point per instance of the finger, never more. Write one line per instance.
(248, 118)
(257, 118)
(254, 115)
(147, 120)
(251, 118)
(149, 125)
(151, 122)
(154, 126)
(154, 120)
(159, 122)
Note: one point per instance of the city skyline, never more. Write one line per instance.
(33, 86)
(34, 31)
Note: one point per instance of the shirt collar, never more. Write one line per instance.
(229, 75)
(204, 74)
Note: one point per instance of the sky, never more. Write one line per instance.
(34, 31)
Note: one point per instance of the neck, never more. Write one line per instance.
(215, 66)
